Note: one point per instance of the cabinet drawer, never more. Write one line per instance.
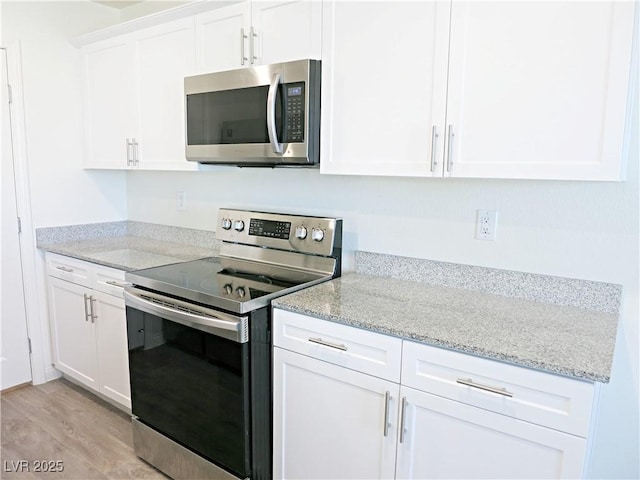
(350, 347)
(541, 398)
(69, 269)
(109, 280)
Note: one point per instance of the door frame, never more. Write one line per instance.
(33, 271)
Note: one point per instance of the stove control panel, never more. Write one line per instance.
(299, 233)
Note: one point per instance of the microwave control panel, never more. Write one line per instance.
(294, 110)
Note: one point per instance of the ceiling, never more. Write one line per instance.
(117, 3)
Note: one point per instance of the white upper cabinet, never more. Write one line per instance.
(287, 30)
(384, 68)
(109, 102)
(538, 89)
(133, 101)
(165, 55)
(533, 90)
(222, 38)
(257, 33)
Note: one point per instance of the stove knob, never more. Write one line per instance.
(228, 289)
(238, 225)
(226, 223)
(240, 291)
(317, 234)
(301, 232)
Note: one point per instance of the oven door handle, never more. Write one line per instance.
(196, 316)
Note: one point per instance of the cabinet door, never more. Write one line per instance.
(164, 56)
(74, 345)
(109, 102)
(112, 352)
(329, 421)
(384, 74)
(286, 30)
(538, 89)
(222, 38)
(447, 439)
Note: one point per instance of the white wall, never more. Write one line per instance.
(49, 149)
(62, 193)
(584, 230)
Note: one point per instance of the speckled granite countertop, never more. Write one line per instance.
(540, 325)
(128, 245)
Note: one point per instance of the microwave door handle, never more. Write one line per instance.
(271, 114)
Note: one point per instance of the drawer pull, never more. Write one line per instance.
(470, 383)
(87, 315)
(403, 413)
(113, 283)
(337, 346)
(65, 269)
(387, 400)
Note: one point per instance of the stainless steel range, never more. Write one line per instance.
(199, 337)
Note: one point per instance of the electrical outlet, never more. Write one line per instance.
(181, 201)
(486, 223)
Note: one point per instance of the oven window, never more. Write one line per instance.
(191, 386)
(230, 116)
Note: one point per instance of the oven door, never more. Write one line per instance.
(190, 376)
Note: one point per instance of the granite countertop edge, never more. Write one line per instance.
(128, 245)
(462, 348)
(564, 346)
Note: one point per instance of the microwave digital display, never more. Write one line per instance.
(295, 91)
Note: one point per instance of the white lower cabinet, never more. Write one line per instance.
(88, 326)
(443, 414)
(448, 439)
(329, 420)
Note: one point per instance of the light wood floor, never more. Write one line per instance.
(59, 421)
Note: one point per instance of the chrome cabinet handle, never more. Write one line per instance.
(252, 47)
(116, 284)
(92, 302)
(387, 400)
(449, 147)
(86, 310)
(434, 136)
(487, 388)
(136, 158)
(129, 156)
(337, 346)
(271, 114)
(403, 412)
(65, 269)
(242, 39)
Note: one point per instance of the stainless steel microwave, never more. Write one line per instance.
(267, 115)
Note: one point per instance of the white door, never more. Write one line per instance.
(14, 356)
(74, 344)
(329, 421)
(384, 78)
(164, 56)
(286, 30)
(109, 102)
(538, 89)
(222, 38)
(447, 439)
(111, 340)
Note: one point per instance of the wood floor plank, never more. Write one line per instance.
(38, 450)
(14, 423)
(60, 421)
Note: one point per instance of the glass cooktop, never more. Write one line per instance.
(239, 286)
